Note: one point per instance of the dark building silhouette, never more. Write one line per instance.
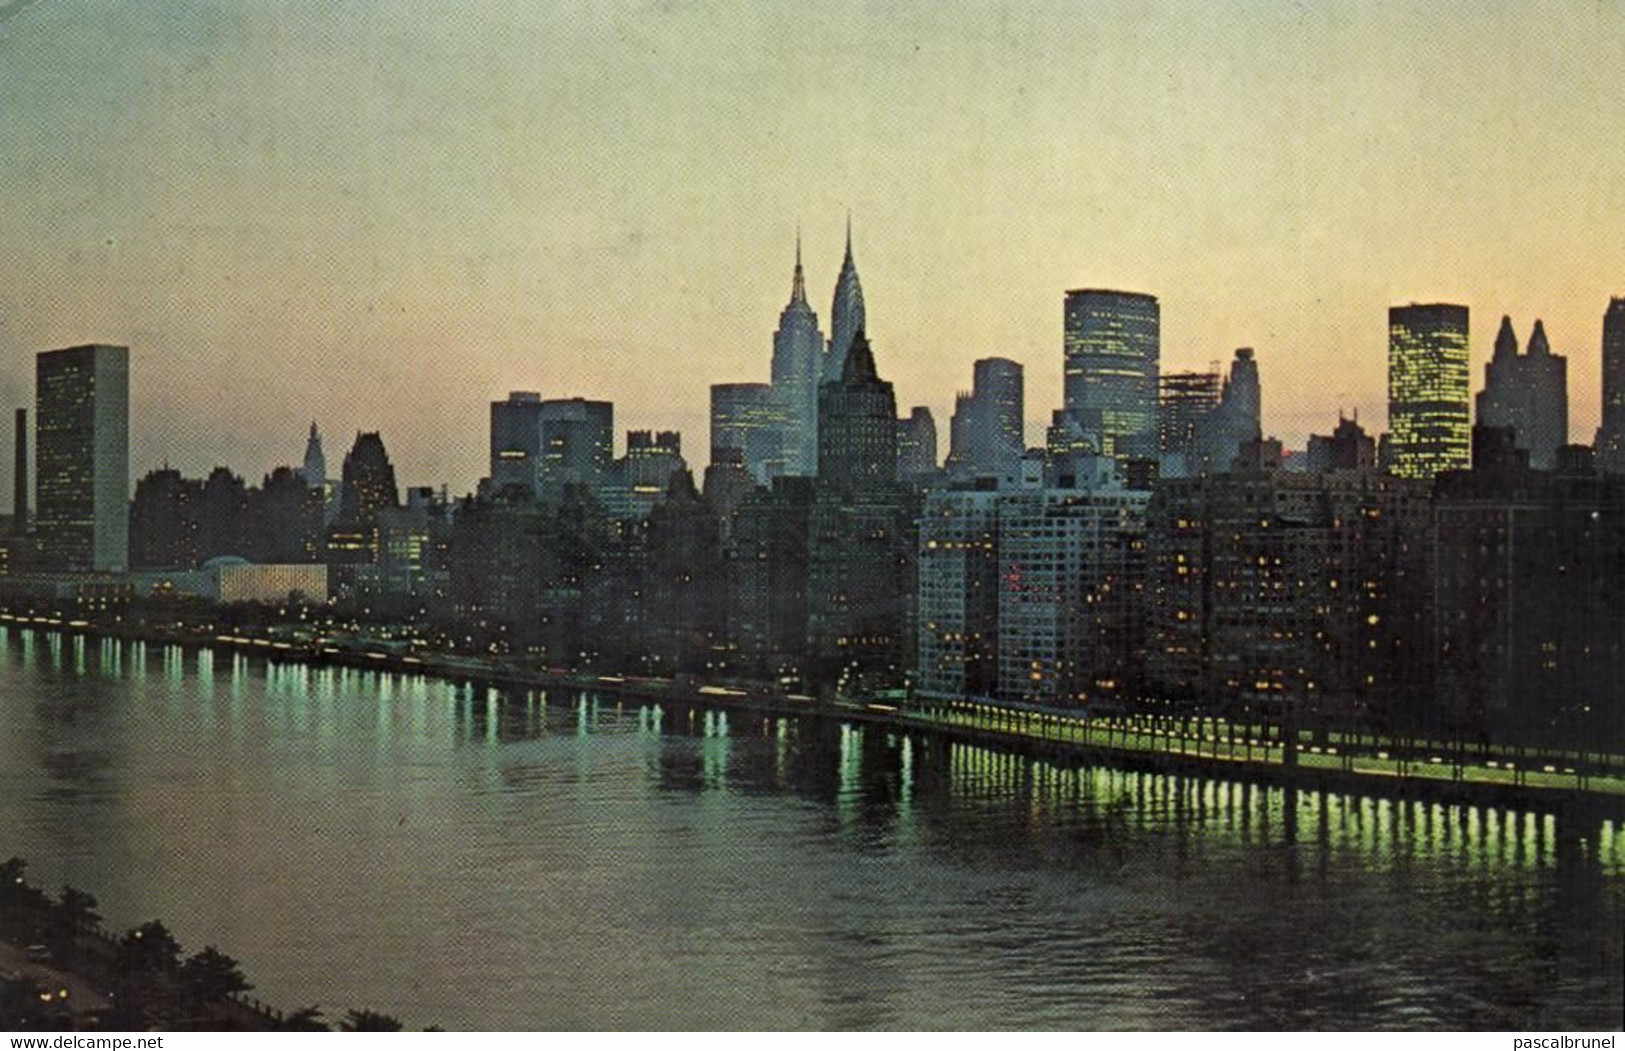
(987, 432)
(798, 367)
(19, 478)
(82, 456)
(367, 486)
(1610, 441)
(1288, 594)
(1185, 400)
(652, 457)
(1347, 448)
(685, 586)
(222, 516)
(516, 443)
(860, 579)
(1428, 412)
(748, 417)
(578, 447)
(916, 445)
(1528, 629)
(1528, 393)
(769, 558)
(1237, 419)
(285, 516)
(164, 522)
(1112, 343)
(727, 486)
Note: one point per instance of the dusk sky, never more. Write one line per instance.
(382, 216)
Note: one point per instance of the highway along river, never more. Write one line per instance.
(475, 858)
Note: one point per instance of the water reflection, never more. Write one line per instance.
(476, 857)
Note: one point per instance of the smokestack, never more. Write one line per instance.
(19, 497)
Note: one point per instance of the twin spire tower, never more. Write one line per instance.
(802, 360)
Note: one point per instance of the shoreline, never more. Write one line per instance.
(1060, 737)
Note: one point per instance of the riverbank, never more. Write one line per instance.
(1587, 787)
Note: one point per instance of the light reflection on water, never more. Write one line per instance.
(472, 858)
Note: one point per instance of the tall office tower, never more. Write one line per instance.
(1184, 402)
(1428, 414)
(857, 424)
(652, 457)
(1529, 393)
(987, 433)
(1610, 440)
(578, 446)
(861, 548)
(369, 480)
(1237, 419)
(315, 470)
(798, 368)
(1111, 343)
(916, 445)
(367, 488)
(846, 318)
(516, 442)
(19, 477)
(747, 417)
(82, 452)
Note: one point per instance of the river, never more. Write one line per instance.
(480, 859)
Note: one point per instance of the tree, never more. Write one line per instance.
(77, 908)
(148, 950)
(306, 1020)
(365, 1021)
(210, 976)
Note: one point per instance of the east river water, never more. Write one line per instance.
(472, 858)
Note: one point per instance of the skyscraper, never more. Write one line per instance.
(987, 433)
(747, 417)
(798, 364)
(82, 453)
(578, 446)
(1529, 393)
(1112, 349)
(19, 477)
(1186, 400)
(846, 318)
(861, 547)
(857, 424)
(916, 444)
(516, 442)
(1611, 435)
(1237, 419)
(315, 472)
(1428, 418)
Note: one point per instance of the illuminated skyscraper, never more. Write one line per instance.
(1112, 346)
(82, 453)
(1611, 435)
(1429, 425)
(846, 317)
(798, 362)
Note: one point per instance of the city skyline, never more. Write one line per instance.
(265, 264)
